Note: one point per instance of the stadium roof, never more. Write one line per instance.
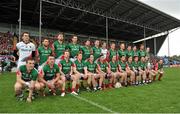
(126, 18)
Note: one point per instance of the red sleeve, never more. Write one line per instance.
(109, 66)
(117, 57)
(73, 65)
(37, 52)
(18, 73)
(41, 72)
(107, 56)
(59, 65)
(156, 66)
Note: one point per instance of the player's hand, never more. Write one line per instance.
(49, 85)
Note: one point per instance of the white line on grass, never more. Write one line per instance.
(95, 104)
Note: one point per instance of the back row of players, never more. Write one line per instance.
(71, 62)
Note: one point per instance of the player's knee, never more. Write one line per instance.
(37, 86)
(63, 79)
(17, 86)
(42, 85)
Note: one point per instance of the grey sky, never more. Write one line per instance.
(171, 7)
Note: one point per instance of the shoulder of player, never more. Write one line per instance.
(22, 67)
(56, 66)
(35, 71)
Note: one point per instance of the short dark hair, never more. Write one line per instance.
(24, 33)
(29, 59)
(45, 39)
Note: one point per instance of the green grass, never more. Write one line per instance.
(158, 97)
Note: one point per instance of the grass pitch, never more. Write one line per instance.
(157, 97)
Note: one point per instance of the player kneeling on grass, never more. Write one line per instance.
(142, 70)
(26, 78)
(150, 71)
(91, 68)
(159, 70)
(79, 70)
(130, 72)
(66, 69)
(50, 77)
(103, 71)
(122, 69)
(135, 64)
(114, 72)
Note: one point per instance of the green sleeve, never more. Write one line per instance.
(44, 69)
(34, 75)
(57, 69)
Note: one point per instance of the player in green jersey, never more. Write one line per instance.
(122, 50)
(129, 70)
(142, 69)
(111, 52)
(86, 50)
(96, 50)
(135, 51)
(66, 69)
(50, 77)
(43, 52)
(122, 69)
(129, 52)
(114, 71)
(79, 70)
(103, 71)
(26, 76)
(135, 64)
(142, 52)
(59, 47)
(91, 69)
(74, 48)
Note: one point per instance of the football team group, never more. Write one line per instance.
(72, 64)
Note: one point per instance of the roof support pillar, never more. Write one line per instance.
(155, 51)
(40, 20)
(20, 14)
(144, 37)
(107, 37)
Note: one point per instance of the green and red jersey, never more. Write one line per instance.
(91, 67)
(79, 66)
(113, 66)
(50, 73)
(59, 48)
(142, 65)
(43, 54)
(112, 53)
(96, 52)
(142, 53)
(28, 76)
(73, 49)
(135, 65)
(121, 53)
(129, 53)
(130, 65)
(123, 65)
(66, 66)
(103, 66)
(86, 51)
